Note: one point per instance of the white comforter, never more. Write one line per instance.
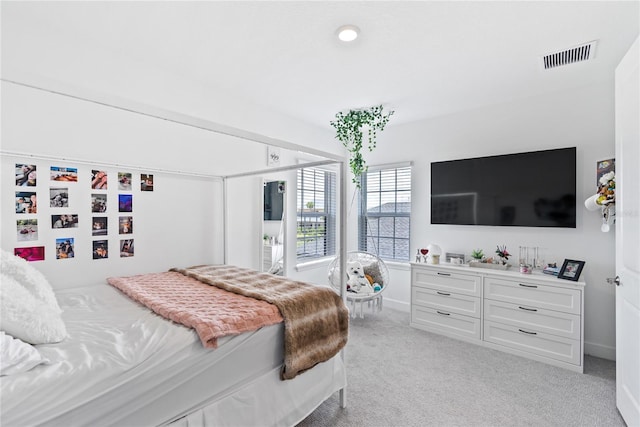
(124, 365)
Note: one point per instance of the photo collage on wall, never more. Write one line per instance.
(66, 213)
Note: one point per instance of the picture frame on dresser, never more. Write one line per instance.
(571, 269)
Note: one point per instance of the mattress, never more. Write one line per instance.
(124, 365)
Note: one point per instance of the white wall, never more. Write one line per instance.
(169, 229)
(582, 118)
(169, 145)
(175, 225)
(244, 221)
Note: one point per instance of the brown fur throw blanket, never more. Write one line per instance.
(316, 321)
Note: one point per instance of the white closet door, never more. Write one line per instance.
(627, 237)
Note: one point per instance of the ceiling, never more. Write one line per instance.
(420, 58)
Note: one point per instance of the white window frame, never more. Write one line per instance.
(328, 190)
(366, 233)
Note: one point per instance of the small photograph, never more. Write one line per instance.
(125, 224)
(26, 202)
(64, 174)
(64, 221)
(30, 253)
(59, 197)
(146, 182)
(125, 203)
(27, 229)
(124, 181)
(99, 203)
(25, 175)
(98, 180)
(603, 167)
(99, 226)
(100, 249)
(64, 248)
(126, 248)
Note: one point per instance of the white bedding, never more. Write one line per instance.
(124, 365)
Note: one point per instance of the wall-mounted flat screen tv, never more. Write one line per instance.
(533, 189)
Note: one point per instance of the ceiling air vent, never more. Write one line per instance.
(580, 53)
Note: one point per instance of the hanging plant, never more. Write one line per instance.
(349, 130)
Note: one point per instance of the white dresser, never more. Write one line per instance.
(533, 315)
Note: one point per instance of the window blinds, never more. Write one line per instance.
(385, 208)
(316, 213)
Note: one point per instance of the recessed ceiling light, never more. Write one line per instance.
(348, 33)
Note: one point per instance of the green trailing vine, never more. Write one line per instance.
(349, 131)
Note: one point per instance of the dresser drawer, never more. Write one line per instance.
(537, 319)
(531, 294)
(445, 322)
(540, 343)
(446, 301)
(447, 281)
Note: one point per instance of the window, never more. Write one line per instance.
(316, 231)
(385, 207)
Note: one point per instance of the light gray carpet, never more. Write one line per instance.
(401, 376)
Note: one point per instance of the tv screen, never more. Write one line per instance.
(534, 189)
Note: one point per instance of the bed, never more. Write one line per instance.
(123, 364)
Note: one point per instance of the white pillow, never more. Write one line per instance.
(28, 306)
(30, 278)
(24, 316)
(17, 356)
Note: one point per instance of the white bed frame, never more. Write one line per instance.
(84, 94)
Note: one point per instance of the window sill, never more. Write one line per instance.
(316, 263)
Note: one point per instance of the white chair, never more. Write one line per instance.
(372, 266)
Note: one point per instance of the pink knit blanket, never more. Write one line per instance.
(211, 311)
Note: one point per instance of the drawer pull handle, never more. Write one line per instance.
(444, 314)
(528, 309)
(444, 274)
(527, 332)
(443, 293)
(527, 286)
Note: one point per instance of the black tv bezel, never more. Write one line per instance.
(572, 225)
